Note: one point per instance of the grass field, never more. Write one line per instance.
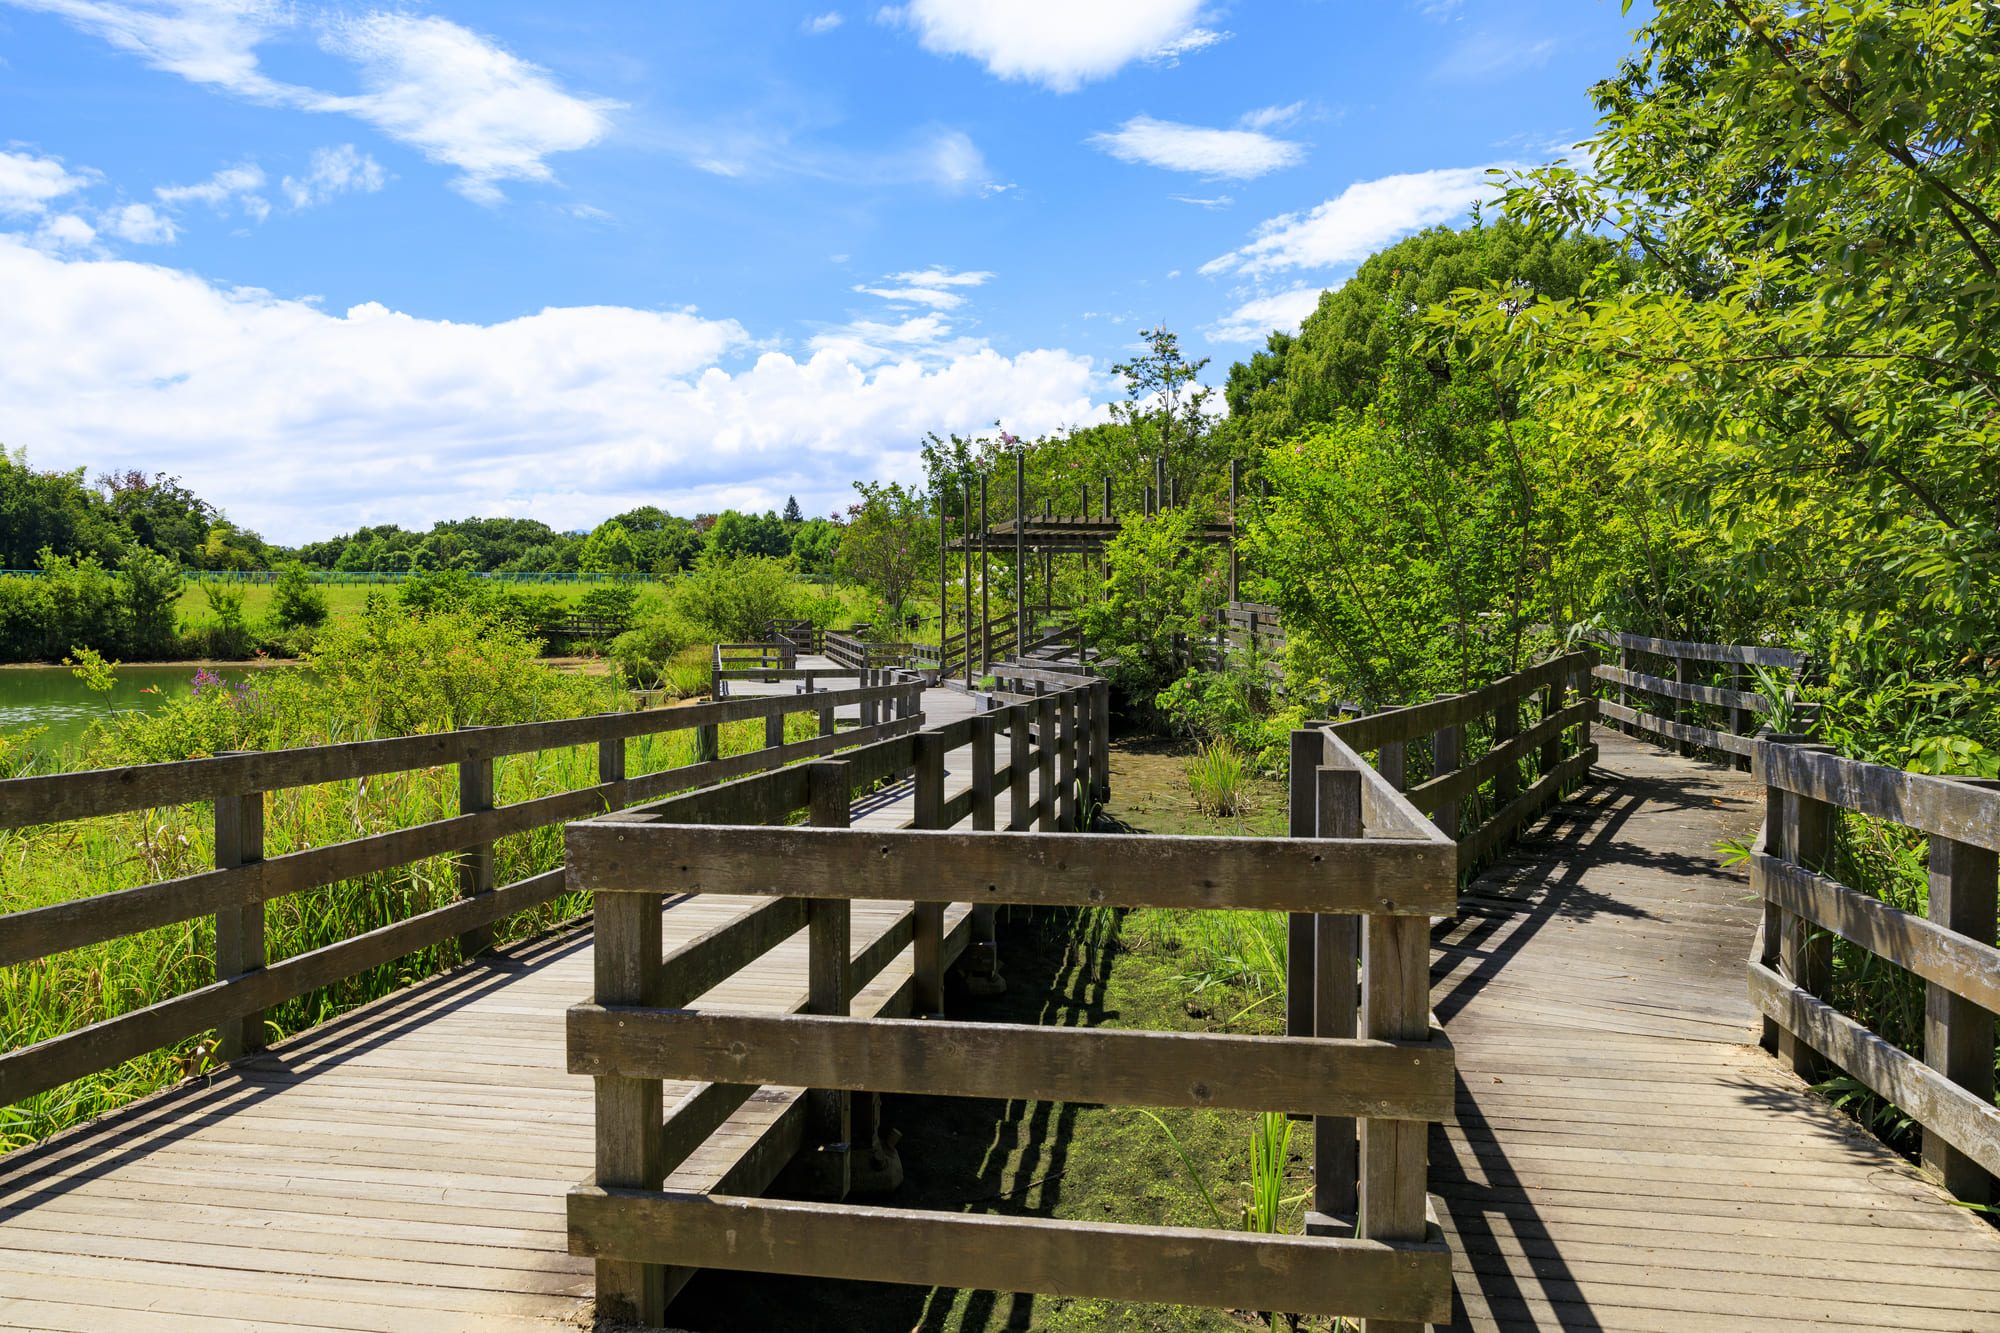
(342, 600)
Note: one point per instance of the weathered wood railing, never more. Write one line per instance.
(1716, 713)
(1948, 1091)
(1383, 1258)
(245, 877)
(751, 656)
(1487, 768)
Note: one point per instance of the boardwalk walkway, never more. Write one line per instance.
(1623, 1159)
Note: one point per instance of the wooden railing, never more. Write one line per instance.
(740, 657)
(1382, 1258)
(1948, 1091)
(802, 635)
(245, 878)
(1252, 625)
(1697, 694)
(1490, 759)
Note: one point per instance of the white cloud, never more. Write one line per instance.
(454, 95)
(1271, 117)
(303, 422)
(826, 22)
(65, 231)
(344, 169)
(1359, 221)
(1059, 44)
(1216, 201)
(141, 224)
(1249, 322)
(1235, 154)
(211, 42)
(1194, 39)
(461, 100)
(28, 183)
(238, 184)
(1487, 54)
(928, 287)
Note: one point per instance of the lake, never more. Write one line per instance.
(53, 698)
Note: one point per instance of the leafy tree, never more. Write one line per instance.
(296, 601)
(1808, 371)
(888, 543)
(150, 585)
(738, 534)
(1165, 410)
(609, 550)
(816, 546)
(160, 513)
(730, 599)
(54, 510)
(1164, 584)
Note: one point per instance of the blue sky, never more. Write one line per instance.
(336, 264)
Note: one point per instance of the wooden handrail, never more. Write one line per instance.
(637, 1032)
(1689, 715)
(245, 879)
(1948, 1088)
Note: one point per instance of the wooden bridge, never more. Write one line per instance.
(1607, 1145)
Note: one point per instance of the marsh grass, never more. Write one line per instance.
(1218, 778)
(81, 858)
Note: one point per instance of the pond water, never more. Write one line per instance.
(51, 697)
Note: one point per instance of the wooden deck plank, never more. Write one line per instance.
(1623, 1158)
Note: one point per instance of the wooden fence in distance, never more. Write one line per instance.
(1949, 1090)
(1490, 759)
(1692, 693)
(245, 878)
(1381, 1258)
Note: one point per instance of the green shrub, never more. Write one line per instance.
(226, 633)
(733, 599)
(646, 653)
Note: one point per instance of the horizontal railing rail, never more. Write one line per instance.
(1948, 1088)
(1374, 1252)
(245, 878)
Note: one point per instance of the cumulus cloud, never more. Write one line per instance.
(28, 184)
(1240, 154)
(303, 421)
(820, 23)
(1358, 221)
(141, 224)
(452, 94)
(1252, 320)
(1059, 44)
(344, 170)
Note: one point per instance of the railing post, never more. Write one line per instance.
(1045, 754)
(1742, 721)
(1336, 951)
(611, 769)
(984, 726)
(239, 931)
(1958, 1034)
(829, 950)
(774, 724)
(1308, 750)
(1506, 726)
(631, 1150)
(1552, 748)
(1066, 759)
(1447, 755)
(1683, 710)
(1100, 739)
(1393, 764)
(1085, 785)
(475, 863)
(707, 743)
(1020, 803)
(1395, 1004)
(927, 948)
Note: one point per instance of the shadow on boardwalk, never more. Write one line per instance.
(1623, 1158)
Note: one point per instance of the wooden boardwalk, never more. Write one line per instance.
(1624, 1158)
